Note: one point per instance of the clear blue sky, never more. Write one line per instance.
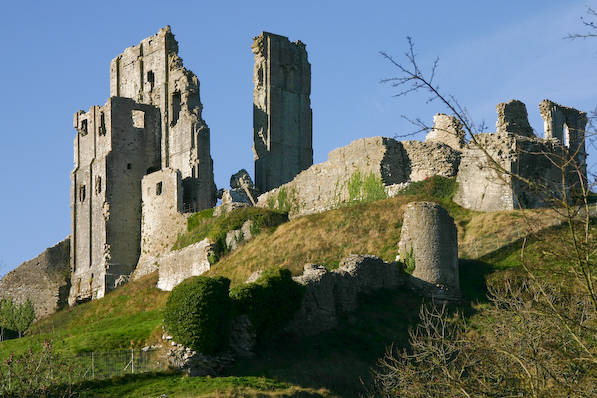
(55, 61)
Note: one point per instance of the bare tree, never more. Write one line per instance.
(539, 337)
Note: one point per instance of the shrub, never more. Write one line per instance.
(270, 302)
(197, 313)
(203, 225)
(435, 187)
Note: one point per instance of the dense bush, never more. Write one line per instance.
(197, 313)
(270, 302)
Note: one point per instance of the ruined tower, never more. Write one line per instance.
(152, 73)
(282, 118)
(150, 129)
(566, 126)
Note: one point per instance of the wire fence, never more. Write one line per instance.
(101, 365)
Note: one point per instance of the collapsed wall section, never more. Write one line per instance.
(282, 117)
(514, 169)
(45, 280)
(362, 168)
(567, 127)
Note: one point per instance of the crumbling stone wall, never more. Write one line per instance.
(162, 216)
(176, 266)
(114, 147)
(378, 162)
(513, 118)
(152, 72)
(448, 130)
(429, 236)
(329, 294)
(282, 118)
(519, 157)
(152, 126)
(567, 126)
(45, 280)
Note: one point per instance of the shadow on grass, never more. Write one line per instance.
(473, 275)
(339, 360)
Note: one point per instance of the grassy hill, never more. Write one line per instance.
(335, 363)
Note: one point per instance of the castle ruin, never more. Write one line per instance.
(143, 165)
(282, 118)
(149, 134)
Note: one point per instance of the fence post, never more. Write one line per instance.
(132, 360)
(92, 366)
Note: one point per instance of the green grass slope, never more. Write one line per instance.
(335, 363)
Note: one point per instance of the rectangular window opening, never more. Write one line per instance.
(98, 185)
(102, 126)
(82, 193)
(138, 118)
(151, 79)
(158, 188)
(129, 166)
(84, 127)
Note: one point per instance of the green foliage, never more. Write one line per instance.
(176, 385)
(24, 317)
(365, 189)
(285, 200)
(409, 261)
(435, 187)
(197, 313)
(270, 301)
(354, 186)
(39, 372)
(203, 225)
(7, 316)
(17, 317)
(198, 218)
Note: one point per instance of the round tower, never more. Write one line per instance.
(429, 237)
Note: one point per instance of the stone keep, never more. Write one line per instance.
(152, 73)
(282, 118)
(429, 233)
(150, 129)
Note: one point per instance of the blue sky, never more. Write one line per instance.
(56, 55)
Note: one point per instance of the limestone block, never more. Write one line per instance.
(243, 234)
(429, 233)
(241, 179)
(176, 266)
(513, 118)
(448, 130)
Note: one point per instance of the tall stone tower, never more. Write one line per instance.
(150, 130)
(152, 73)
(282, 118)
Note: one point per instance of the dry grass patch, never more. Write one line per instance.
(325, 238)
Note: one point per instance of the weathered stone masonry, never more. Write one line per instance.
(515, 148)
(282, 118)
(140, 162)
(45, 280)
